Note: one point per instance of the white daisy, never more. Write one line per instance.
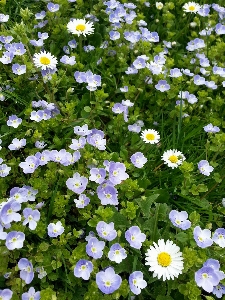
(191, 7)
(80, 27)
(173, 158)
(45, 60)
(165, 260)
(150, 136)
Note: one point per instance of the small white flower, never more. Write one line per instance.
(191, 7)
(150, 136)
(173, 158)
(165, 260)
(193, 24)
(80, 27)
(223, 202)
(159, 5)
(45, 60)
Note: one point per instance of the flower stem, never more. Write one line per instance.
(156, 221)
(80, 47)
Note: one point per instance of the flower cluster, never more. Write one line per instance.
(209, 276)
(108, 281)
(48, 111)
(92, 80)
(203, 237)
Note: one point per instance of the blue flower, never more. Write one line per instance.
(162, 86)
(202, 237)
(135, 237)
(106, 231)
(179, 219)
(117, 253)
(137, 282)
(94, 248)
(6, 294)
(206, 278)
(31, 295)
(108, 281)
(26, 268)
(83, 269)
(55, 230)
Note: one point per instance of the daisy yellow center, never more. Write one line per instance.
(164, 259)
(173, 158)
(44, 60)
(192, 8)
(80, 27)
(150, 136)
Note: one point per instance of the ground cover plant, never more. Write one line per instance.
(112, 147)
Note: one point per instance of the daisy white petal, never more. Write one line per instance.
(80, 27)
(45, 60)
(191, 7)
(173, 158)
(150, 136)
(164, 260)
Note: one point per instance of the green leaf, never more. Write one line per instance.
(143, 182)
(4, 128)
(160, 297)
(163, 197)
(119, 220)
(182, 237)
(163, 212)
(145, 204)
(95, 39)
(87, 108)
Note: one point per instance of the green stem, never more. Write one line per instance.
(180, 119)
(156, 221)
(51, 205)
(80, 47)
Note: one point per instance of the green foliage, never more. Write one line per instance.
(149, 193)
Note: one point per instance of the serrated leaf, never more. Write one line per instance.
(119, 220)
(163, 195)
(163, 211)
(182, 237)
(146, 204)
